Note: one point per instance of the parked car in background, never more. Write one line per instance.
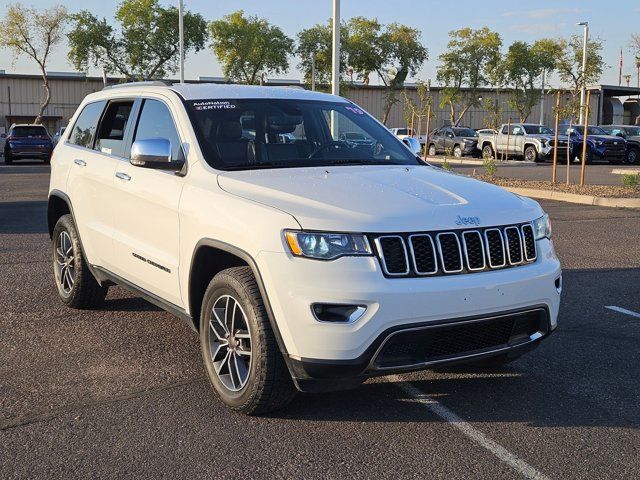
(57, 135)
(599, 144)
(532, 142)
(631, 134)
(412, 144)
(457, 140)
(27, 141)
(486, 131)
(407, 132)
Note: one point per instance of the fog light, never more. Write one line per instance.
(333, 313)
(558, 283)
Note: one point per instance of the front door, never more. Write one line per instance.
(147, 240)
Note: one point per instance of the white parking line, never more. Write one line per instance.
(623, 310)
(469, 431)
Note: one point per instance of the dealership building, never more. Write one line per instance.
(20, 95)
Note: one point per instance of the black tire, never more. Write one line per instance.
(578, 157)
(47, 161)
(432, 150)
(633, 156)
(80, 289)
(531, 154)
(8, 159)
(487, 151)
(268, 385)
(457, 151)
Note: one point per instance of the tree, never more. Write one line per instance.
(394, 53)
(27, 31)
(569, 65)
(249, 47)
(522, 67)
(316, 42)
(468, 63)
(144, 46)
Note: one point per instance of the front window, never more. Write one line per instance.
(632, 131)
(537, 130)
(251, 134)
(465, 132)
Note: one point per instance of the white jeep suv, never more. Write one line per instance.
(304, 260)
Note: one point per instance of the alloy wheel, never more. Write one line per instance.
(230, 343)
(64, 262)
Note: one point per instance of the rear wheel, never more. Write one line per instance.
(432, 150)
(76, 285)
(633, 156)
(239, 350)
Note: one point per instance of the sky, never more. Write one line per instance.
(526, 21)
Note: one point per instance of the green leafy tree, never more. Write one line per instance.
(316, 42)
(34, 33)
(523, 67)
(248, 47)
(569, 64)
(143, 46)
(466, 66)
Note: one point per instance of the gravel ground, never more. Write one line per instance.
(614, 191)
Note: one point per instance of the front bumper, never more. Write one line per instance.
(293, 284)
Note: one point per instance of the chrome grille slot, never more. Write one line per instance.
(514, 245)
(423, 254)
(393, 254)
(495, 248)
(529, 241)
(450, 252)
(473, 250)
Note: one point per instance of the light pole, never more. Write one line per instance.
(584, 67)
(335, 60)
(181, 35)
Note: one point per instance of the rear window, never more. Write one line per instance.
(85, 127)
(29, 131)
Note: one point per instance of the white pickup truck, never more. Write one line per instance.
(531, 142)
(401, 133)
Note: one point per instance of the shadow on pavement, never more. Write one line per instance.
(23, 217)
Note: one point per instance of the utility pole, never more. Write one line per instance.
(584, 68)
(181, 34)
(335, 60)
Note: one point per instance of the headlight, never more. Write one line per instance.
(542, 227)
(599, 143)
(326, 246)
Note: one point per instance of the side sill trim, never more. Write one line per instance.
(148, 296)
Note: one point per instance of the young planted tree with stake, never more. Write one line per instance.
(27, 31)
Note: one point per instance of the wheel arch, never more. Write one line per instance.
(212, 256)
(58, 205)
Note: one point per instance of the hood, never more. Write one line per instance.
(546, 136)
(379, 198)
(605, 138)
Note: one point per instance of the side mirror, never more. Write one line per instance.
(620, 134)
(154, 153)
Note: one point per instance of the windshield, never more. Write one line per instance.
(275, 133)
(537, 130)
(592, 130)
(29, 132)
(465, 132)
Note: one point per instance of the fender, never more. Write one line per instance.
(245, 256)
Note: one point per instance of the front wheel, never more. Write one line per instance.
(8, 159)
(432, 150)
(76, 285)
(531, 154)
(487, 151)
(239, 349)
(457, 151)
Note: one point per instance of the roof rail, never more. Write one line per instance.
(157, 83)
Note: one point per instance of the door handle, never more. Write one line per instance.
(80, 163)
(123, 176)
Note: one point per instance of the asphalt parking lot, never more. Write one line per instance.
(121, 393)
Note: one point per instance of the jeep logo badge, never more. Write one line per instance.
(467, 220)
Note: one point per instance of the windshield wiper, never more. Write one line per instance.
(356, 161)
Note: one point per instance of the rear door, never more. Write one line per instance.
(147, 240)
(90, 185)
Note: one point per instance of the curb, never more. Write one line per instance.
(575, 198)
(623, 171)
(465, 162)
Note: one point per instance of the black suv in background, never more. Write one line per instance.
(457, 140)
(631, 134)
(27, 141)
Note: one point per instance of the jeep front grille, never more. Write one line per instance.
(455, 252)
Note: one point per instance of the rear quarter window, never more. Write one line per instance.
(84, 129)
